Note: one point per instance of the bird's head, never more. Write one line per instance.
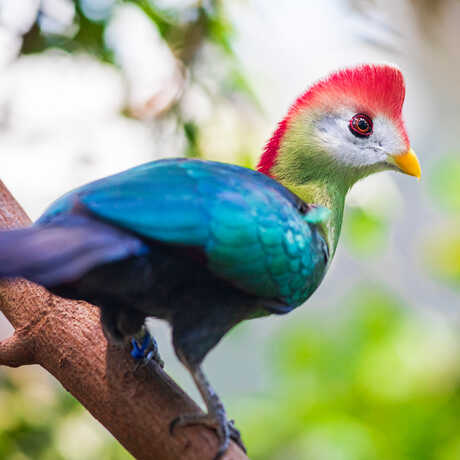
(343, 128)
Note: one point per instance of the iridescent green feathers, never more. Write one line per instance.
(253, 231)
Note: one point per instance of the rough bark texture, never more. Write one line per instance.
(65, 337)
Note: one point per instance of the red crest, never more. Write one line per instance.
(371, 89)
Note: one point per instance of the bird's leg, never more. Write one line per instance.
(145, 348)
(216, 417)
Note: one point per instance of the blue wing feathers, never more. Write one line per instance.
(248, 225)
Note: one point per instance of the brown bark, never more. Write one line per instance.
(65, 337)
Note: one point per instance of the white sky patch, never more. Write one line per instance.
(64, 127)
(59, 12)
(378, 195)
(18, 15)
(65, 90)
(151, 69)
(302, 44)
(96, 10)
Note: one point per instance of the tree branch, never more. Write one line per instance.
(17, 350)
(65, 337)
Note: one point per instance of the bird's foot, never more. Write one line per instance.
(145, 350)
(226, 430)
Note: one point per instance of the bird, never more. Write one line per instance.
(205, 245)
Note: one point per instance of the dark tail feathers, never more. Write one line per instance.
(64, 249)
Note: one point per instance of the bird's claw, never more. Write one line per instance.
(226, 430)
(146, 351)
(235, 435)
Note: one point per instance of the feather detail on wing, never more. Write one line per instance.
(254, 232)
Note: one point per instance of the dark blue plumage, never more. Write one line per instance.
(203, 245)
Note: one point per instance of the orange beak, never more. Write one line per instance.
(408, 163)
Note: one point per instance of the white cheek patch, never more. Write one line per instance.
(333, 133)
(387, 135)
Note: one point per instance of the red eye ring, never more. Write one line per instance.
(361, 125)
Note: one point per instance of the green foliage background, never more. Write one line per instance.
(373, 379)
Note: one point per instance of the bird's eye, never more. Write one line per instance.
(361, 125)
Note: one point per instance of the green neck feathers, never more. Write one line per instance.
(314, 176)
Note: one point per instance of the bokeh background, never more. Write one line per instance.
(370, 367)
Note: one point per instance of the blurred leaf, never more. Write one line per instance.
(89, 37)
(33, 414)
(445, 182)
(451, 451)
(244, 158)
(220, 29)
(441, 253)
(364, 232)
(163, 19)
(191, 135)
(236, 82)
(368, 380)
(340, 438)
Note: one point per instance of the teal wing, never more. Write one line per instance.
(253, 231)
